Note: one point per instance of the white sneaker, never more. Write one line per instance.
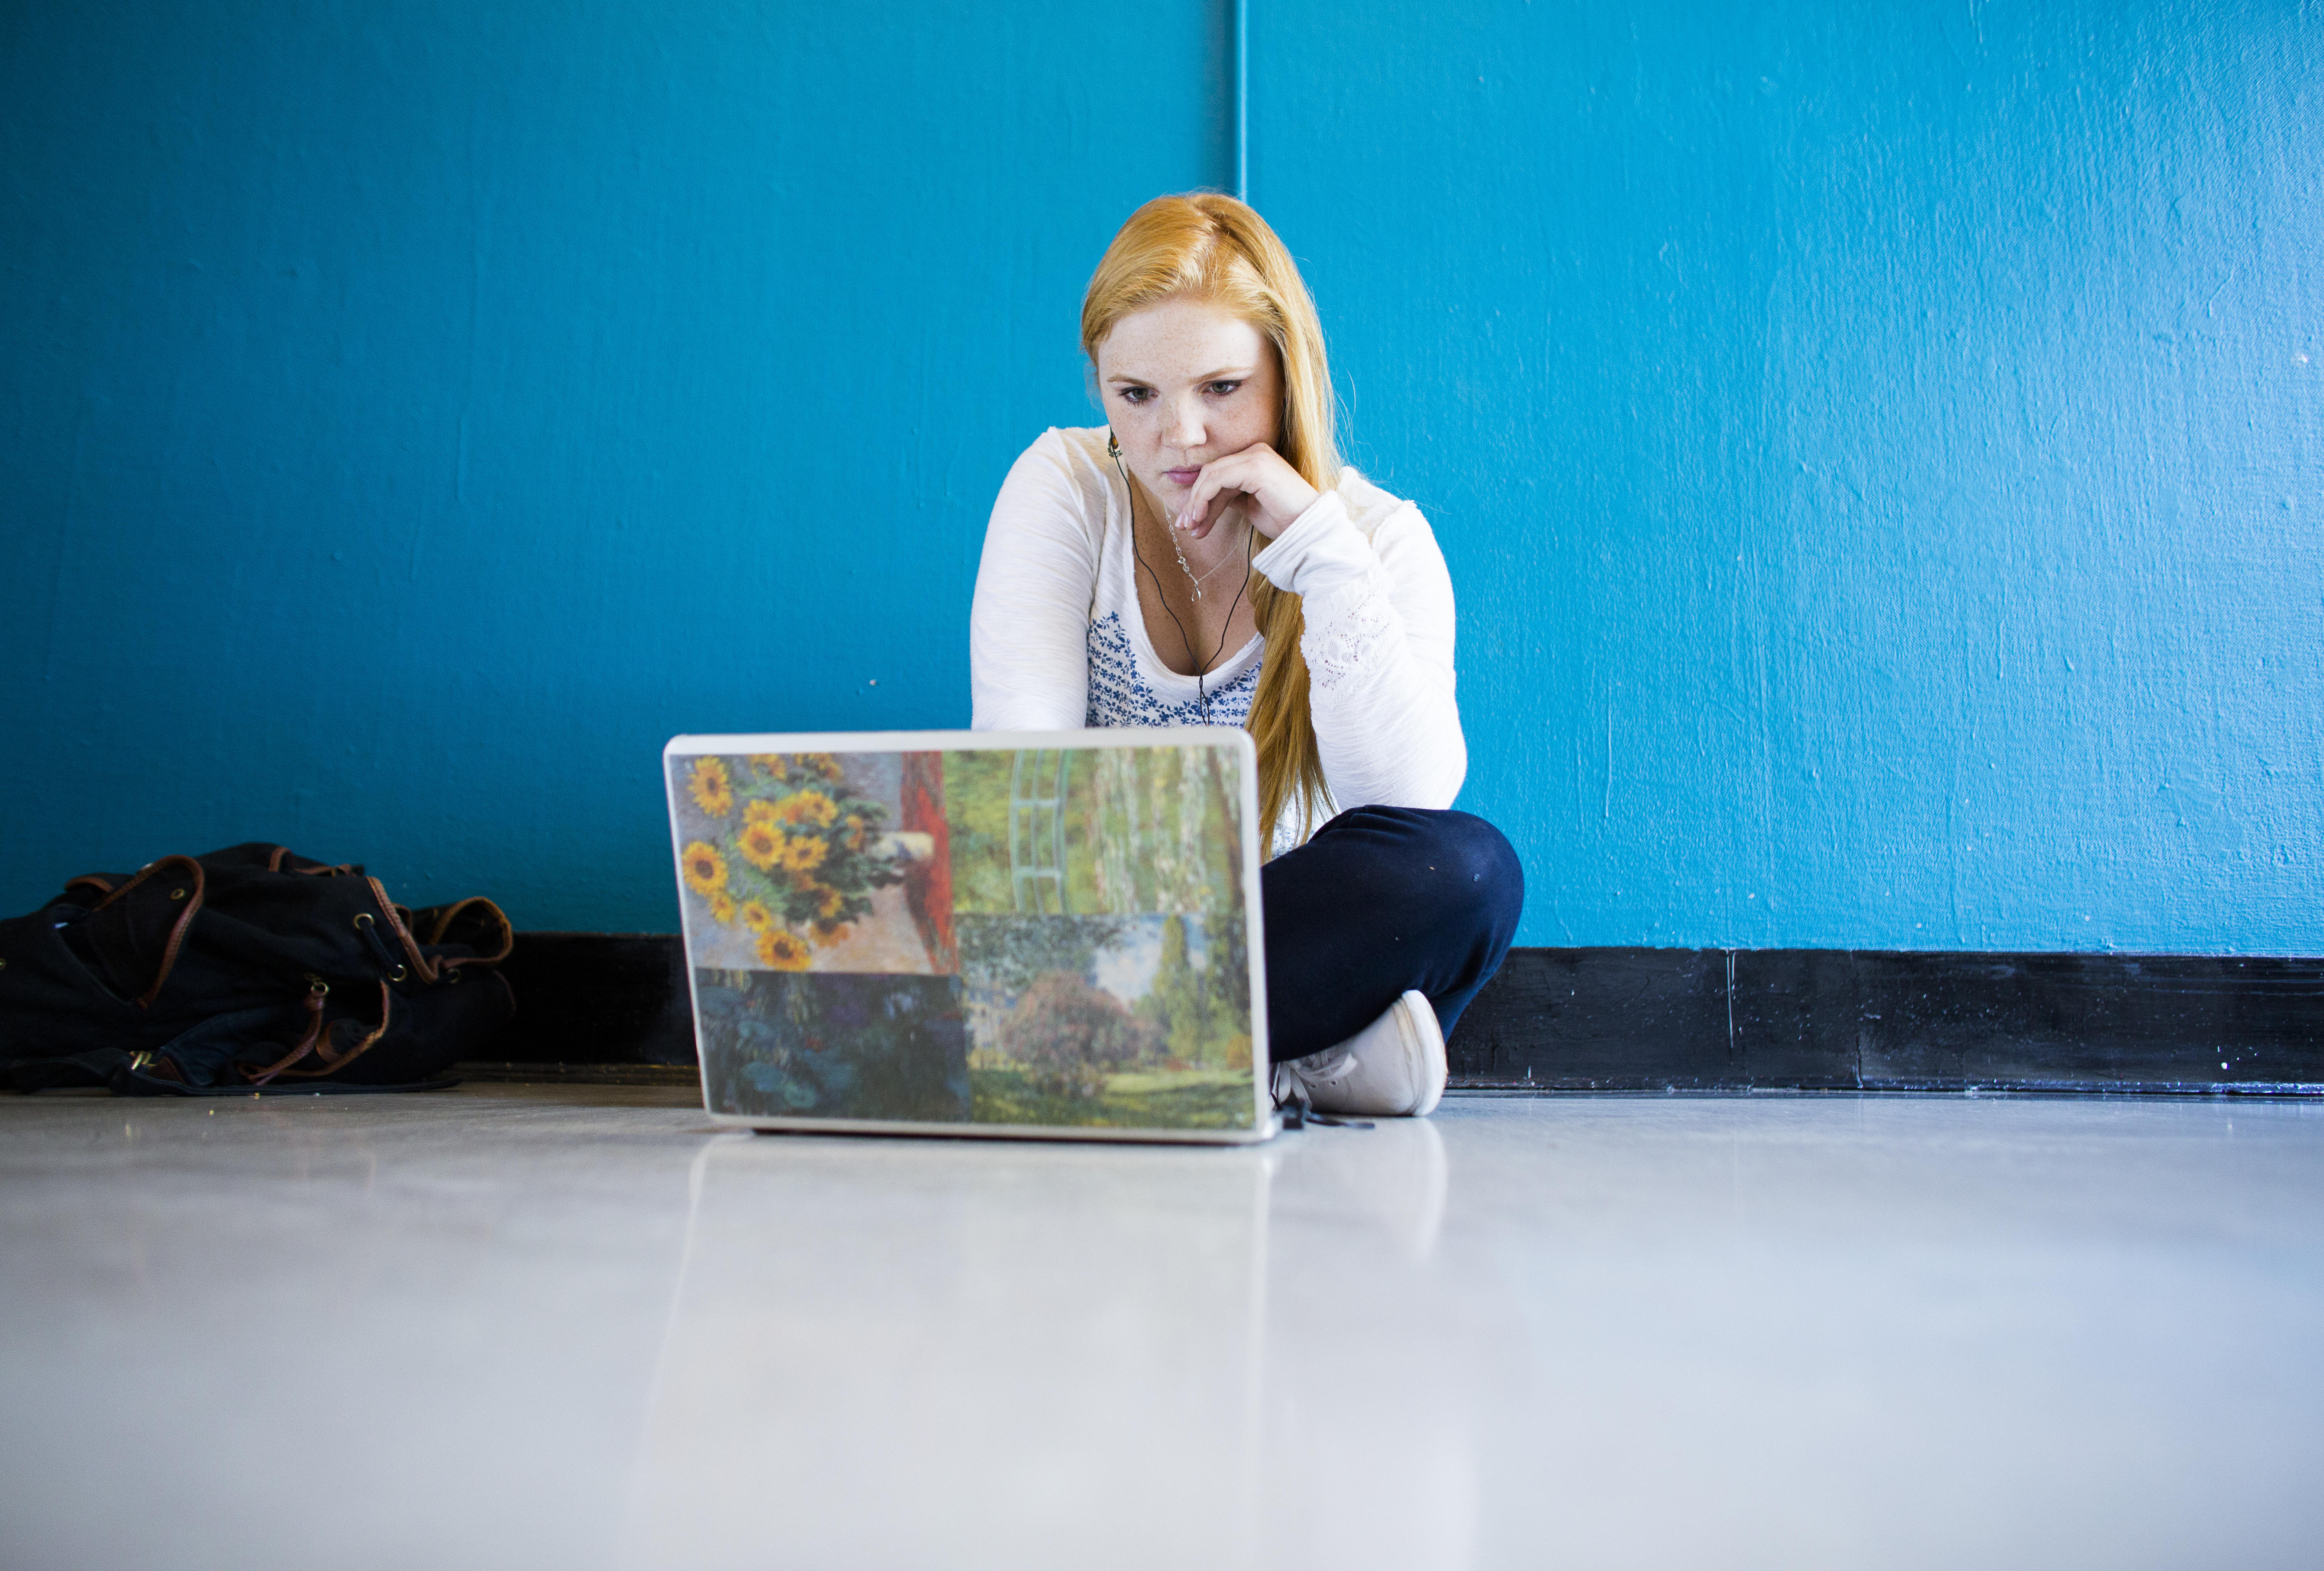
(1393, 1068)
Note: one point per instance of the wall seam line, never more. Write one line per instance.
(1242, 100)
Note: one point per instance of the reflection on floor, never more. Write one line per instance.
(573, 1327)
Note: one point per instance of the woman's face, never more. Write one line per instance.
(1186, 383)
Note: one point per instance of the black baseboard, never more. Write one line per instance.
(598, 998)
(1647, 1019)
(1681, 1020)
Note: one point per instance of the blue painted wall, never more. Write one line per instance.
(1879, 447)
(413, 414)
(1873, 444)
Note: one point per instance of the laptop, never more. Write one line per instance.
(1048, 934)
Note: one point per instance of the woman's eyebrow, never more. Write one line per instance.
(1228, 373)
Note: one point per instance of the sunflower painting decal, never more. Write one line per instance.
(789, 858)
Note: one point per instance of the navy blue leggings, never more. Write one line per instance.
(1379, 900)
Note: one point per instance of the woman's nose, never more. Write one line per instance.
(1186, 428)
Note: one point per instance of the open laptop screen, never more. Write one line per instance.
(975, 932)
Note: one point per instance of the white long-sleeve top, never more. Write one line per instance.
(1055, 640)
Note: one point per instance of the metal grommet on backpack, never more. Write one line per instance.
(247, 970)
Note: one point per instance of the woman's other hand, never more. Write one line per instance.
(1271, 492)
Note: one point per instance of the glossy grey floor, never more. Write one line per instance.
(521, 1327)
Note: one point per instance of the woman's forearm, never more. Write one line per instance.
(1378, 646)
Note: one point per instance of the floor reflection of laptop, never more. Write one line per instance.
(1053, 935)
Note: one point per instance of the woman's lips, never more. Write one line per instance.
(1182, 476)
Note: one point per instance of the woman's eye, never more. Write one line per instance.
(1221, 388)
(1136, 395)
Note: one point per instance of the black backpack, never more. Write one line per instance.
(249, 970)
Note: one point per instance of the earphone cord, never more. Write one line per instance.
(1251, 539)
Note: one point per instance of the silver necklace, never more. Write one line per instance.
(1198, 581)
(1250, 538)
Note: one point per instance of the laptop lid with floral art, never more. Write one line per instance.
(974, 932)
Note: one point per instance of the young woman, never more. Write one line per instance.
(1205, 558)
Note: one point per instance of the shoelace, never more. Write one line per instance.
(1289, 1089)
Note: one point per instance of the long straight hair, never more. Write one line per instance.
(1215, 249)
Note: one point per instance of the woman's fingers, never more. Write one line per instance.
(1277, 491)
(1210, 497)
(1213, 495)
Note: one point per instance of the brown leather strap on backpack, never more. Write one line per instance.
(503, 931)
(282, 855)
(420, 966)
(317, 1041)
(193, 903)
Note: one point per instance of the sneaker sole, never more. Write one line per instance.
(1419, 1019)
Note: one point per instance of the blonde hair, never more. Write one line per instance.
(1216, 250)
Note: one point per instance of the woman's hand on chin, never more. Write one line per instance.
(1272, 492)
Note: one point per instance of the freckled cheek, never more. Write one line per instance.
(1243, 429)
(1133, 427)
